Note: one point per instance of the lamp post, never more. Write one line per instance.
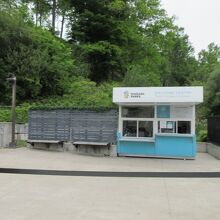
(12, 79)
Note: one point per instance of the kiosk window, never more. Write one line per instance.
(138, 112)
(166, 126)
(130, 128)
(145, 129)
(179, 127)
(184, 127)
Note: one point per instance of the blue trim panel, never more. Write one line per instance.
(173, 146)
(176, 146)
(136, 147)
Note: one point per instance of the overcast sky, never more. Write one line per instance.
(199, 18)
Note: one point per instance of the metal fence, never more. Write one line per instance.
(73, 125)
(214, 129)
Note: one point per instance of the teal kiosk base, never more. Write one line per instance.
(167, 146)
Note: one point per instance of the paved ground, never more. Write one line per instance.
(59, 197)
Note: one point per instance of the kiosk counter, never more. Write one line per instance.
(157, 121)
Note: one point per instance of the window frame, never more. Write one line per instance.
(176, 122)
(137, 126)
(122, 119)
(121, 114)
(155, 121)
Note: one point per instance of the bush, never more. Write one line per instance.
(81, 93)
(21, 143)
(5, 114)
(202, 136)
(21, 113)
(201, 129)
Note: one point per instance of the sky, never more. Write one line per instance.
(199, 18)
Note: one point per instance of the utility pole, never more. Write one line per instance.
(12, 78)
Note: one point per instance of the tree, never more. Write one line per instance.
(212, 98)
(208, 60)
(63, 7)
(54, 8)
(140, 75)
(160, 43)
(41, 61)
(97, 27)
(40, 9)
(178, 61)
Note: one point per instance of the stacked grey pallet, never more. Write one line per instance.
(73, 125)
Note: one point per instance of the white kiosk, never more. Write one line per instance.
(157, 121)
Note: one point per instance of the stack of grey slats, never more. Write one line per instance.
(73, 125)
(63, 125)
(35, 125)
(49, 125)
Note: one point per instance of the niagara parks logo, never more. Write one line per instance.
(126, 94)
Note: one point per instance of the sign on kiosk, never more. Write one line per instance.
(158, 94)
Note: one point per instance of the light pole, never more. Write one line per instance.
(12, 78)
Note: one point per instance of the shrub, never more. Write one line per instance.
(202, 136)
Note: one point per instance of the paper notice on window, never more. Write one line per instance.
(181, 112)
(163, 124)
(170, 124)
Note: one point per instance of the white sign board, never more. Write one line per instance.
(181, 112)
(126, 95)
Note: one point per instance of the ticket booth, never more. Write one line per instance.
(157, 121)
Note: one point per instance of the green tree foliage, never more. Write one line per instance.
(40, 10)
(41, 62)
(164, 45)
(208, 60)
(63, 10)
(98, 28)
(178, 62)
(139, 75)
(114, 35)
(213, 92)
(206, 75)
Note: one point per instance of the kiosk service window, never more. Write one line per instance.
(137, 121)
(146, 121)
(179, 127)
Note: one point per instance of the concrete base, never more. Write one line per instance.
(93, 150)
(68, 146)
(202, 147)
(213, 150)
(43, 146)
(81, 149)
